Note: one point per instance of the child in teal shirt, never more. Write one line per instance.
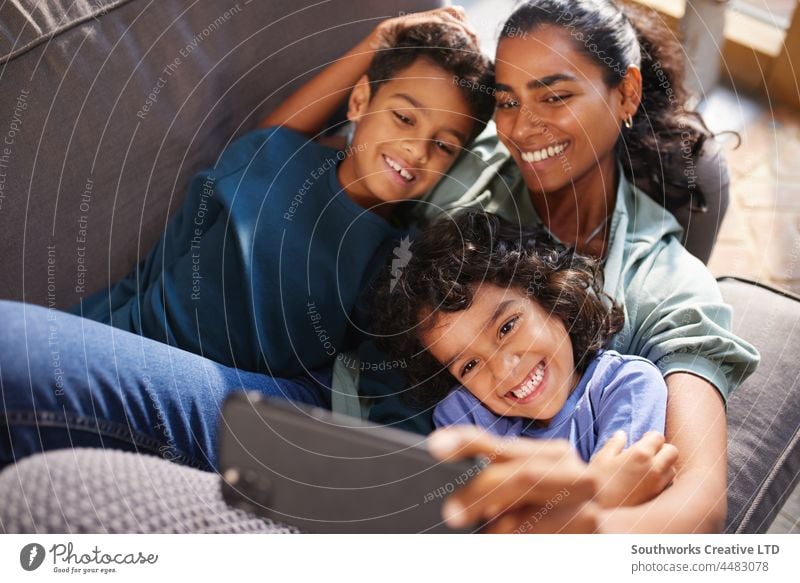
(263, 264)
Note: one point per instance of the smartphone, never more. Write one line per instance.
(330, 473)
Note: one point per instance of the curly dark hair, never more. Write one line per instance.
(664, 134)
(449, 48)
(456, 254)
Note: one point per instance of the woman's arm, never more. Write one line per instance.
(696, 501)
(309, 108)
(682, 324)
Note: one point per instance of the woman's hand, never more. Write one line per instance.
(450, 15)
(637, 474)
(529, 485)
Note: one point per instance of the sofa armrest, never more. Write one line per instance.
(764, 412)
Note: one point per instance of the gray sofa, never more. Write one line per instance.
(107, 108)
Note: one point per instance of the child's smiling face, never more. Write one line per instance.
(507, 351)
(408, 133)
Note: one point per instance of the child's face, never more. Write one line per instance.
(508, 352)
(408, 133)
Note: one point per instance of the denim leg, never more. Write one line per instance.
(67, 381)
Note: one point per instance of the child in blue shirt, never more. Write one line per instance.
(504, 330)
(264, 262)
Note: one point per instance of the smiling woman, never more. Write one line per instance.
(560, 121)
(603, 86)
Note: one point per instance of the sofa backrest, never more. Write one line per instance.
(108, 107)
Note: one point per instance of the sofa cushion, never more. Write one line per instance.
(108, 491)
(764, 412)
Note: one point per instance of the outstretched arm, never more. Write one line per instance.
(695, 502)
(529, 485)
(309, 108)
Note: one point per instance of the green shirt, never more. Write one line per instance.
(674, 312)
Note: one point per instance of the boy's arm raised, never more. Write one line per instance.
(309, 108)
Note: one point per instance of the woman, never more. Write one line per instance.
(590, 118)
(588, 104)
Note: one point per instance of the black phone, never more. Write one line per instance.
(329, 473)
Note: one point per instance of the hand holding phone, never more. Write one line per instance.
(329, 473)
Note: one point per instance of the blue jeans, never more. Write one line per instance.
(66, 381)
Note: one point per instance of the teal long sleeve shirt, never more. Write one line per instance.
(262, 264)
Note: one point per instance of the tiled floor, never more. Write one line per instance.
(788, 521)
(760, 236)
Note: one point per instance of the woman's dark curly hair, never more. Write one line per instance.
(451, 258)
(447, 47)
(665, 137)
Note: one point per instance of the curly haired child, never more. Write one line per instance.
(504, 330)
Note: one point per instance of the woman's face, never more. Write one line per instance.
(514, 356)
(555, 114)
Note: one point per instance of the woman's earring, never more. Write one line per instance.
(348, 137)
(629, 122)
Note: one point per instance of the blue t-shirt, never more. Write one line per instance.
(261, 266)
(617, 392)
